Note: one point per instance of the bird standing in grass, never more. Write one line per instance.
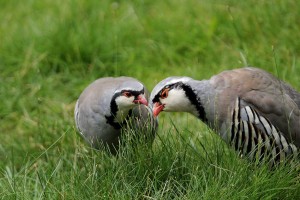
(249, 108)
(105, 108)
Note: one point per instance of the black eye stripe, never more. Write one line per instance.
(170, 87)
(132, 92)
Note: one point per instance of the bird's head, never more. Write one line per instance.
(129, 98)
(129, 94)
(172, 95)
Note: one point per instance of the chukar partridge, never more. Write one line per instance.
(106, 106)
(249, 108)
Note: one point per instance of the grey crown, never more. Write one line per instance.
(249, 108)
(93, 108)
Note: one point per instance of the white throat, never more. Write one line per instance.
(124, 105)
(177, 101)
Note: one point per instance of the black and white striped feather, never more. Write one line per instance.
(254, 135)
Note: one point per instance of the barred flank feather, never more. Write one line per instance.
(257, 137)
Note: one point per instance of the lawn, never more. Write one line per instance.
(51, 50)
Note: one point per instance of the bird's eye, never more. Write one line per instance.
(164, 93)
(127, 94)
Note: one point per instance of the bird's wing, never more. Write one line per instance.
(92, 107)
(92, 124)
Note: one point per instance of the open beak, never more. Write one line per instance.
(141, 100)
(157, 108)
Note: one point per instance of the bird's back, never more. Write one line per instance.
(270, 97)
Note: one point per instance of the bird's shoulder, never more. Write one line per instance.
(262, 91)
(256, 87)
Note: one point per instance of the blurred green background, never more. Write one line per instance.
(51, 50)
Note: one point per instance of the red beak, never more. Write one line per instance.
(141, 100)
(157, 108)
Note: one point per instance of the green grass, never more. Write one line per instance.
(51, 50)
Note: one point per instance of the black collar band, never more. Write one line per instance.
(196, 101)
(111, 120)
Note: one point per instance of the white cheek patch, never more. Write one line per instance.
(125, 102)
(177, 101)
